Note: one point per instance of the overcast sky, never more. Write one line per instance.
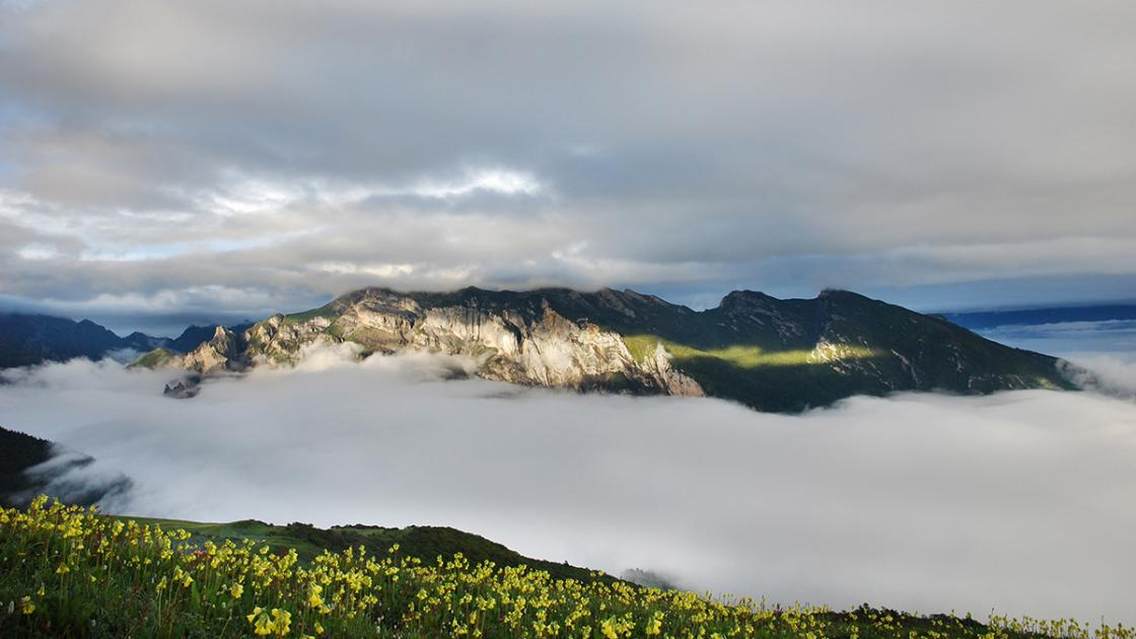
(185, 159)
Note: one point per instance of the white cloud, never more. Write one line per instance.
(919, 501)
(38, 252)
(500, 181)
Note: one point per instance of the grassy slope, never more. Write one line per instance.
(424, 542)
(155, 358)
(107, 591)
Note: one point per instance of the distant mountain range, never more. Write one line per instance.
(26, 340)
(978, 320)
(767, 353)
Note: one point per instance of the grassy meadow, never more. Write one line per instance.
(66, 571)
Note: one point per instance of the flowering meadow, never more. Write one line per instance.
(70, 572)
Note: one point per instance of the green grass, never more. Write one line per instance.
(642, 347)
(324, 311)
(776, 380)
(155, 358)
(425, 542)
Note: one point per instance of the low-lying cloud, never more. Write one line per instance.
(1018, 502)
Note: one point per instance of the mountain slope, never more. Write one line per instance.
(32, 339)
(19, 452)
(768, 353)
(425, 542)
(30, 466)
(27, 340)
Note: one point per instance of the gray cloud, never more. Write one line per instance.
(1018, 502)
(158, 149)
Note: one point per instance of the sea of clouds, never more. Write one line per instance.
(1018, 502)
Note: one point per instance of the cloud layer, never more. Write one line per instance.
(1020, 502)
(267, 155)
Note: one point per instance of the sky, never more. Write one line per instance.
(1017, 503)
(167, 162)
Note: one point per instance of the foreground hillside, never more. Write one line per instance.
(65, 571)
(768, 353)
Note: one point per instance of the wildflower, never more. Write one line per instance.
(281, 621)
(27, 606)
(236, 590)
(63, 569)
(655, 624)
(314, 599)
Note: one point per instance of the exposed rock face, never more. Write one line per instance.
(781, 355)
(183, 388)
(224, 352)
(528, 344)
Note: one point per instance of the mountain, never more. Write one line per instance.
(32, 339)
(194, 336)
(27, 340)
(767, 353)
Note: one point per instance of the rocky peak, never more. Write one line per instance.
(223, 352)
(743, 300)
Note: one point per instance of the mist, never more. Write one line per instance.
(1020, 502)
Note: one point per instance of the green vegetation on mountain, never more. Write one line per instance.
(155, 358)
(68, 572)
(19, 452)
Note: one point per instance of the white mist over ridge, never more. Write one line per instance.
(1020, 502)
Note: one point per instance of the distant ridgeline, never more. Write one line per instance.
(27, 340)
(978, 320)
(767, 353)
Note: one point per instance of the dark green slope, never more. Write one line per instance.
(19, 452)
(26, 340)
(424, 542)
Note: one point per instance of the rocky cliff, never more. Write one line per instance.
(771, 354)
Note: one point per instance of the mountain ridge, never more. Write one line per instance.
(782, 355)
(29, 339)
